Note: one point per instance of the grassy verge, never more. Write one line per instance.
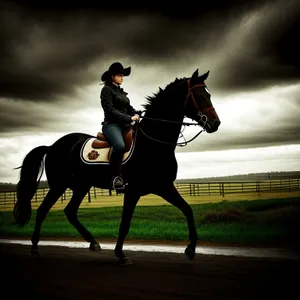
(267, 221)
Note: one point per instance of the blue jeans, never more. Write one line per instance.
(114, 135)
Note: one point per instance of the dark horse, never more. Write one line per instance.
(151, 167)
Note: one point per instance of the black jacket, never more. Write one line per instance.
(116, 105)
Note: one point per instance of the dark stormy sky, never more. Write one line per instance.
(53, 55)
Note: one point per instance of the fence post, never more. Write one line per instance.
(222, 189)
(89, 196)
(258, 187)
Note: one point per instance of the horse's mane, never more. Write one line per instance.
(162, 93)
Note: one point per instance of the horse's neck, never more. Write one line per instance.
(164, 125)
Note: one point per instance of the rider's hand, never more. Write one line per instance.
(135, 118)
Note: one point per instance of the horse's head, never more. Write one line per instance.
(198, 104)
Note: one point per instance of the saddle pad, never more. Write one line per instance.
(92, 155)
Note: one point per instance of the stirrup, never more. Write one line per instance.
(117, 183)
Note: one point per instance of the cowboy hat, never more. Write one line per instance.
(114, 69)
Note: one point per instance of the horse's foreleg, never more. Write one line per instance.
(170, 194)
(71, 213)
(130, 201)
(49, 200)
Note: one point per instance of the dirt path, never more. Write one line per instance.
(65, 273)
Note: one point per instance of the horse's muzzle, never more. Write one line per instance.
(212, 126)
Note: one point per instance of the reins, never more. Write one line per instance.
(181, 144)
(200, 113)
(202, 116)
(163, 120)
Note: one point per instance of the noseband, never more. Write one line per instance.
(200, 113)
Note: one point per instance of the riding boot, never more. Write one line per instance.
(117, 181)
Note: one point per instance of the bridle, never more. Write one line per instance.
(202, 116)
(200, 113)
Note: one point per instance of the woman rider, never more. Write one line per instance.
(118, 116)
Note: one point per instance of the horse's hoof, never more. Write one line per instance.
(190, 253)
(35, 253)
(95, 247)
(124, 261)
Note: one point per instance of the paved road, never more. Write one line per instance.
(63, 273)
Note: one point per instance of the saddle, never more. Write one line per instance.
(97, 149)
(101, 141)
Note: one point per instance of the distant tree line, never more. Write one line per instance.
(245, 177)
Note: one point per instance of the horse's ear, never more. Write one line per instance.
(195, 75)
(204, 76)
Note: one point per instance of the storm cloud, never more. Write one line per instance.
(48, 53)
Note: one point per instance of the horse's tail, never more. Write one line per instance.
(30, 175)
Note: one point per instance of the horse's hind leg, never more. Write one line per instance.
(170, 194)
(71, 213)
(49, 200)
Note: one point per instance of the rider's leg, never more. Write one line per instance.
(114, 134)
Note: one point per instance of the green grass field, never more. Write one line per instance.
(235, 220)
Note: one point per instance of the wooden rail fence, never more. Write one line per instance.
(191, 189)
